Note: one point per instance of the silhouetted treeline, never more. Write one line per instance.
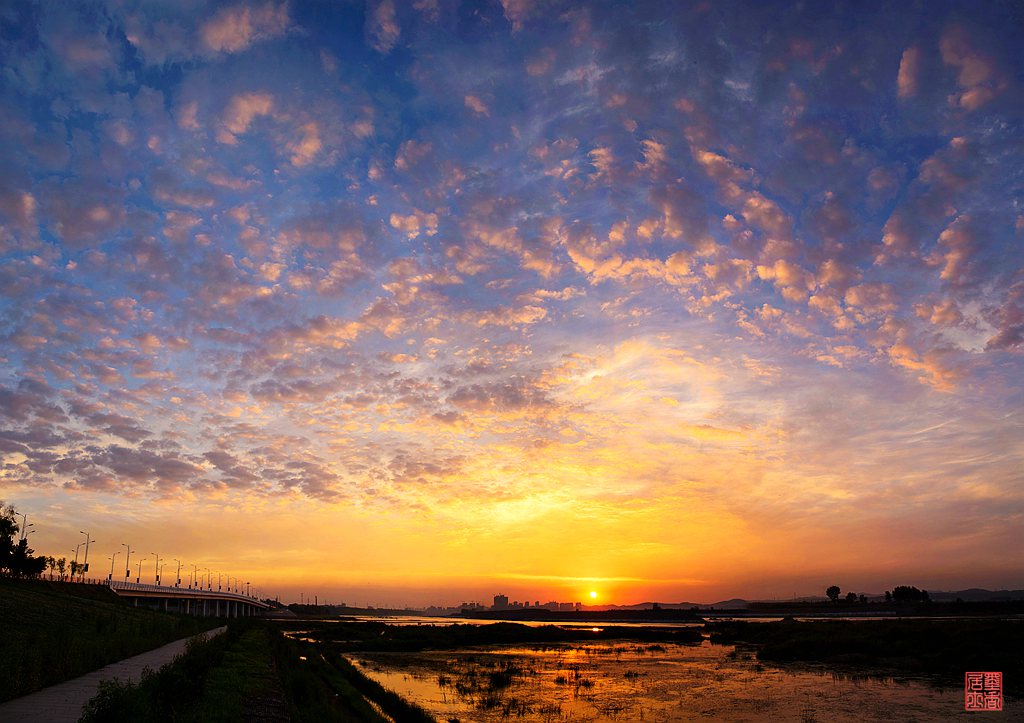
(381, 637)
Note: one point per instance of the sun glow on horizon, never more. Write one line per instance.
(645, 326)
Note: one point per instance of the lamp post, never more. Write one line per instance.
(218, 582)
(156, 568)
(87, 541)
(209, 584)
(127, 560)
(138, 575)
(195, 576)
(74, 566)
(110, 577)
(177, 577)
(247, 588)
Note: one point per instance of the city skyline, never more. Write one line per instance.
(411, 302)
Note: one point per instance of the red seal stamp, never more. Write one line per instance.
(983, 691)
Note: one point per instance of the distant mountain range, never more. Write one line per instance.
(973, 594)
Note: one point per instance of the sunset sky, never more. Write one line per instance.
(418, 302)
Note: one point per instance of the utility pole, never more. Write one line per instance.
(87, 541)
(127, 561)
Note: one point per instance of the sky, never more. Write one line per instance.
(408, 303)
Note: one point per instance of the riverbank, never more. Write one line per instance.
(54, 631)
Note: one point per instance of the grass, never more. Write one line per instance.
(946, 648)
(168, 695)
(390, 702)
(252, 673)
(56, 631)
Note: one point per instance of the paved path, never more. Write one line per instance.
(63, 703)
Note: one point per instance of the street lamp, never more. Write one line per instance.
(195, 576)
(218, 582)
(110, 577)
(209, 584)
(74, 566)
(177, 577)
(156, 568)
(138, 575)
(127, 560)
(247, 588)
(87, 541)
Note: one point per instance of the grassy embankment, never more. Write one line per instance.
(944, 648)
(252, 673)
(56, 631)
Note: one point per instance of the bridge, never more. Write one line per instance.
(190, 601)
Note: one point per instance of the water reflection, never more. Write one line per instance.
(633, 682)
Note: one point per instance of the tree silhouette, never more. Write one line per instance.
(851, 597)
(908, 593)
(833, 593)
(16, 557)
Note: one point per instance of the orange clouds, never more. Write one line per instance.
(475, 104)
(906, 79)
(382, 26)
(979, 79)
(233, 29)
(240, 112)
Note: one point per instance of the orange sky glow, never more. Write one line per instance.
(417, 303)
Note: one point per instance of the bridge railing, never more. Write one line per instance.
(185, 591)
(165, 589)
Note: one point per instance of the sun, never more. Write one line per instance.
(593, 595)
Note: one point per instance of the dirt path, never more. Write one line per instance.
(63, 703)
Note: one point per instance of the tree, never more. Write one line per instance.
(62, 567)
(8, 529)
(833, 593)
(888, 596)
(851, 597)
(907, 593)
(16, 558)
(863, 599)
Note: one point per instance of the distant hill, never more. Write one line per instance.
(973, 594)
